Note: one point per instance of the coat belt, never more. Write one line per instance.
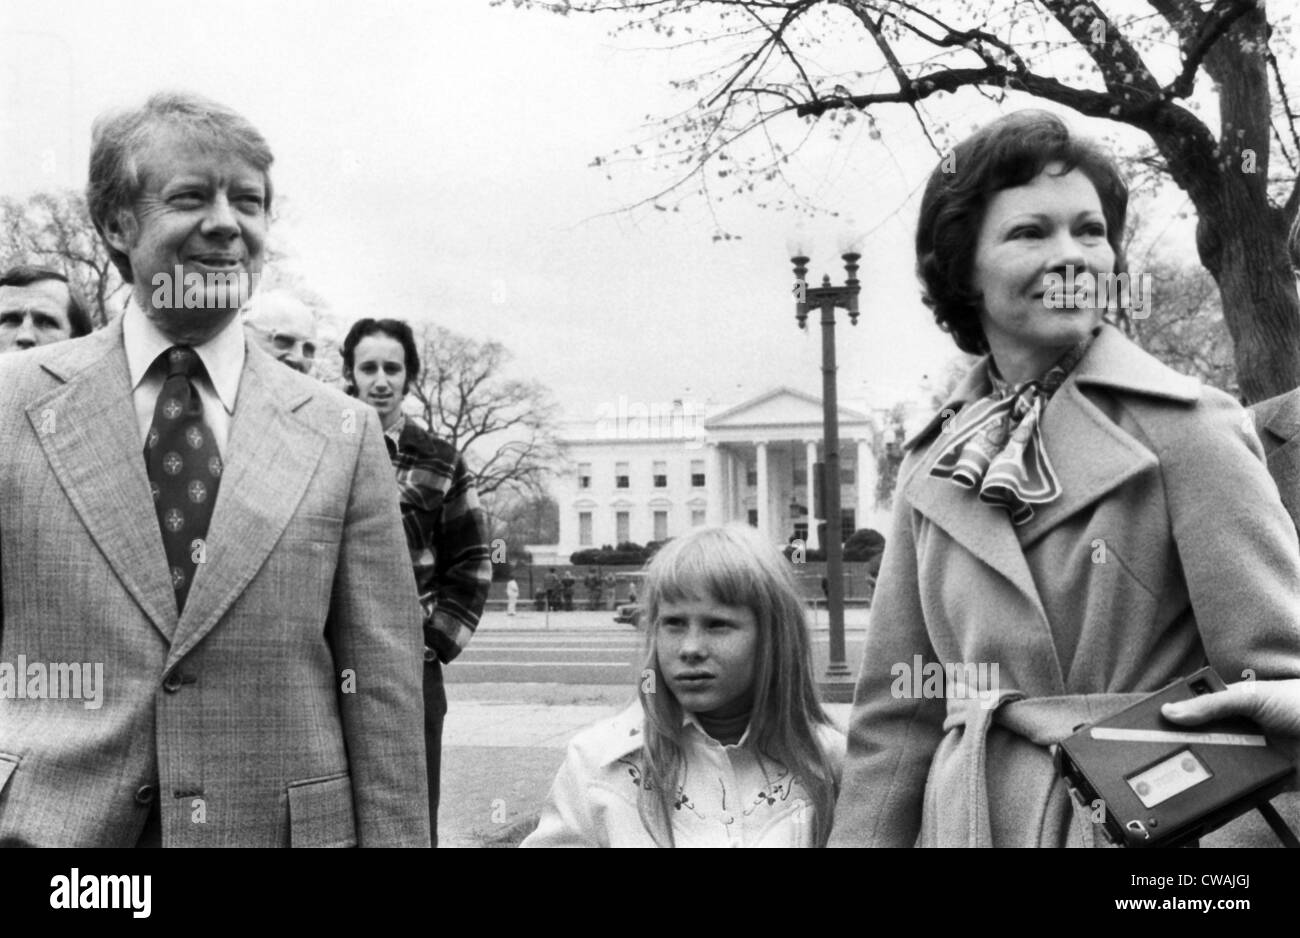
(1043, 721)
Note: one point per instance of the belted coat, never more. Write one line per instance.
(1168, 548)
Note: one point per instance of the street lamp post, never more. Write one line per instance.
(828, 298)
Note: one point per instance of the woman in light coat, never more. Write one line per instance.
(1077, 526)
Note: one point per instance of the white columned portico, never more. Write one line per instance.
(764, 492)
(811, 448)
(866, 483)
(714, 485)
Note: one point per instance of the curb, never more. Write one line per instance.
(515, 832)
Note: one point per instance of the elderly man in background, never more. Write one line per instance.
(38, 307)
(284, 327)
(219, 536)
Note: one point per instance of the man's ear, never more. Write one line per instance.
(120, 230)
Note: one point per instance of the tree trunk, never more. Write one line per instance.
(1241, 237)
(1261, 306)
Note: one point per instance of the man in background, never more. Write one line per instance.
(38, 307)
(282, 326)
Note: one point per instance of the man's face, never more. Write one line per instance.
(36, 314)
(287, 333)
(204, 212)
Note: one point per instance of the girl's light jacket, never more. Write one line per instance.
(729, 797)
(1167, 549)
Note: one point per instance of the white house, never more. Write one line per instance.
(642, 474)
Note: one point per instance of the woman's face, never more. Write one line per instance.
(379, 372)
(707, 654)
(1051, 223)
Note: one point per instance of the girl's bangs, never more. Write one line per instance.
(706, 568)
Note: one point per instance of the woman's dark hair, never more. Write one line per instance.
(394, 329)
(1009, 152)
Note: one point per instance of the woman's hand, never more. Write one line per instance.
(1274, 705)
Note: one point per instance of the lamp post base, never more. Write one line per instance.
(836, 688)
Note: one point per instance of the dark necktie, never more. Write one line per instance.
(184, 468)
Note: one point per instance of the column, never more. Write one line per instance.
(738, 482)
(866, 484)
(714, 485)
(811, 447)
(764, 510)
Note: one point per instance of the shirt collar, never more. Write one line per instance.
(394, 432)
(222, 355)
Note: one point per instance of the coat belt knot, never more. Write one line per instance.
(1043, 721)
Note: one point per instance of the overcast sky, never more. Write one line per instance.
(433, 161)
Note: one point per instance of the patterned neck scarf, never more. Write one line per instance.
(996, 443)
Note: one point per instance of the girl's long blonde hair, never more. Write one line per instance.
(734, 566)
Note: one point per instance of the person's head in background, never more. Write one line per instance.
(38, 307)
(284, 327)
(380, 363)
(727, 640)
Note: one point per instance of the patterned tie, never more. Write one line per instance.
(184, 468)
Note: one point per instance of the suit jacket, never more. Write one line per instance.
(1168, 548)
(283, 707)
(1278, 422)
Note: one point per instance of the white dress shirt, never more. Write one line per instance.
(222, 357)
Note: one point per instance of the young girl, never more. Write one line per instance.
(727, 743)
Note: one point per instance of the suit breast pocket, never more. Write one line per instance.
(311, 543)
(8, 764)
(321, 813)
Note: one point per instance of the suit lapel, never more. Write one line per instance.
(87, 428)
(271, 458)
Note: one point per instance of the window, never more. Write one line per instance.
(584, 529)
(660, 472)
(661, 525)
(622, 477)
(848, 474)
(697, 473)
(584, 475)
(622, 526)
(801, 530)
(848, 517)
(751, 475)
(697, 517)
(753, 517)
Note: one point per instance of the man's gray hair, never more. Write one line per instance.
(120, 137)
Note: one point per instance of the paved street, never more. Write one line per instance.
(588, 648)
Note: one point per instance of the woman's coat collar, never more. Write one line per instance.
(1112, 361)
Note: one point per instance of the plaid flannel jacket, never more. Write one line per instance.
(447, 535)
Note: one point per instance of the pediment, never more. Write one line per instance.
(779, 407)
